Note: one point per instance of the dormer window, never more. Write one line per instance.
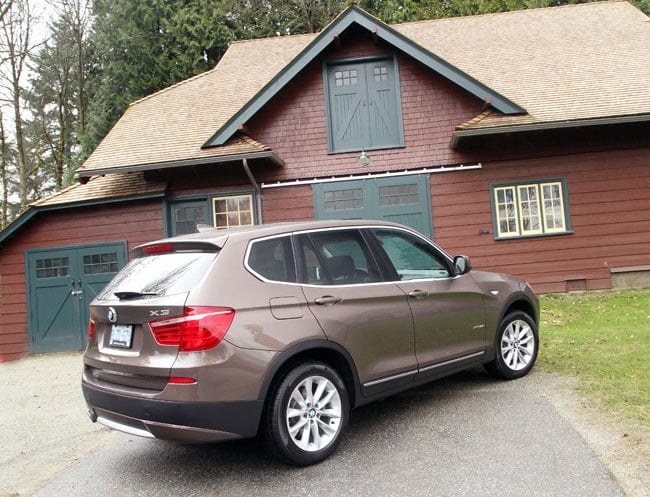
(363, 104)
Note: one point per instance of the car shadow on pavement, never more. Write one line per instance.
(365, 423)
(467, 434)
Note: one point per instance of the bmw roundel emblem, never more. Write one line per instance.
(112, 315)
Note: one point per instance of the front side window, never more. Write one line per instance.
(412, 258)
(363, 105)
(530, 209)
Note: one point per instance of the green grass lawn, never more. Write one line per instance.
(602, 339)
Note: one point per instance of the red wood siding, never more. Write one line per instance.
(609, 200)
(136, 222)
(288, 204)
(608, 191)
(294, 123)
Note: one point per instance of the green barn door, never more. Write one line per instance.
(97, 266)
(53, 305)
(405, 200)
(61, 283)
(363, 105)
(400, 199)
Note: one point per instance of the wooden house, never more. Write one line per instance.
(521, 139)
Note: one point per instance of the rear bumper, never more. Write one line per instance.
(178, 421)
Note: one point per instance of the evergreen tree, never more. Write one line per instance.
(142, 46)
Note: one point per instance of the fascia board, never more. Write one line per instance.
(460, 135)
(355, 15)
(154, 166)
(32, 211)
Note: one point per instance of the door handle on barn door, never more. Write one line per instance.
(74, 292)
(328, 300)
(418, 294)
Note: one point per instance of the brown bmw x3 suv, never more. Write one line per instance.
(280, 330)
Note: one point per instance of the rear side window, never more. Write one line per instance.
(337, 257)
(272, 259)
(160, 274)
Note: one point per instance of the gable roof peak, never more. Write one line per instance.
(354, 15)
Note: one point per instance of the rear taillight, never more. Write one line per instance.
(91, 329)
(199, 328)
(181, 380)
(158, 249)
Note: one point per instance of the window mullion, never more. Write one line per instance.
(554, 209)
(529, 209)
(507, 215)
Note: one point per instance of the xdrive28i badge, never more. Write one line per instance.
(112, 315)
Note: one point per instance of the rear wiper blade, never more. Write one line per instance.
(134, 295)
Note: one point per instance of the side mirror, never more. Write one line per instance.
(462, 265)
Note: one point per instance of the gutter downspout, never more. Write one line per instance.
(257, 188)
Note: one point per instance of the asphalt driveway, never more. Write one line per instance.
(464, 436)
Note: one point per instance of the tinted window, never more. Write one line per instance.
(339, 257)
(161, 274)
(273, 259)
(412, 257)
(314, 273)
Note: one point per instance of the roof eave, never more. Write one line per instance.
(154, 166)
(32, 210)
(461, 135)
(355, 15)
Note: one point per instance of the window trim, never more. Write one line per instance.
(329, 65)
(294, 265)
(212, 200)
(170, 202)
(432, 249)
(518, 187)
(380, 259)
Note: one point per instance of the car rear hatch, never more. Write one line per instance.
(134, 336)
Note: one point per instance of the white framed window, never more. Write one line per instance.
(233, 210)
(532, 208)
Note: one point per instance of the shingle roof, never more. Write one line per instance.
(560, 64)
(97, 188)
(173, 124)
(580, 61)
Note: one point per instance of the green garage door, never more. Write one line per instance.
(401, 199)
(61, 282)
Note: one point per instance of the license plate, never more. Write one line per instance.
(121, 336)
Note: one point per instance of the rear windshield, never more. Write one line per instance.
(159, 275)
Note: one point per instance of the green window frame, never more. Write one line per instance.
(222, 210)
(530, 208)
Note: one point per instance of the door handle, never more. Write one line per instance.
(328, 300)
(418, 294)
(77, 292)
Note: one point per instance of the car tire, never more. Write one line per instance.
(516, 347)
(307, 414)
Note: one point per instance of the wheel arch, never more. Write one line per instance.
(316, 350)
(521, 303)
(518, 302)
